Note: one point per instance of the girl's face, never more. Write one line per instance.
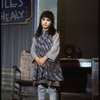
(45, 22)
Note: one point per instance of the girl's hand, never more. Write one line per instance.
(38, 61)
(41, 61)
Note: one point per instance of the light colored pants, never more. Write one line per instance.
(42, 93)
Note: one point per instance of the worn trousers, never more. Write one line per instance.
(42, 93)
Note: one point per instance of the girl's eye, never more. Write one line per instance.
(48, 19)
(43, 19)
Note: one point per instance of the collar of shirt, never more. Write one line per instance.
(44, 32)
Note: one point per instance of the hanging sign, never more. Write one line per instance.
(16, 11)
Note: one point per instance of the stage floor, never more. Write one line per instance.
(6, 95)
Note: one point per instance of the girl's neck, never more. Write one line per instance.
(45, 30)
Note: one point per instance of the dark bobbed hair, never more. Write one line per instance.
(51, 29)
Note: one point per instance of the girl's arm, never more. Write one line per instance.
(54, 51)
(34, 55)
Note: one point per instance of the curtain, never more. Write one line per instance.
(14, 38)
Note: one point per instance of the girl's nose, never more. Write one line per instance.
(45, 21)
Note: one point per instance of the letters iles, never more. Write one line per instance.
(11, 3)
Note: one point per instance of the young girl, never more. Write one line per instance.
(45, 50)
